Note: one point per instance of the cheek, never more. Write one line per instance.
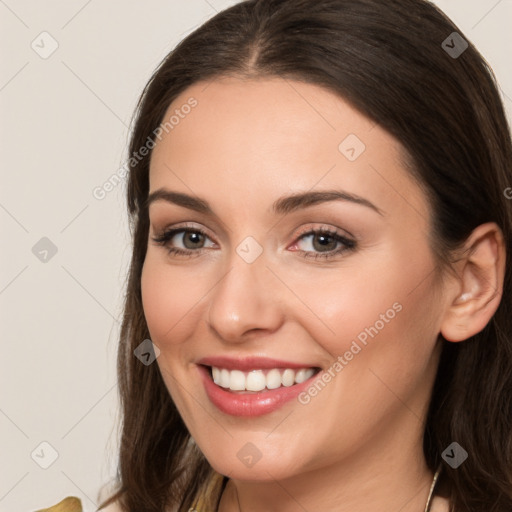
(379, 320)
(343, 303)
(170, 298)
(382, 315)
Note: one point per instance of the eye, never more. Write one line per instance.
(192, 240)
(323, 243)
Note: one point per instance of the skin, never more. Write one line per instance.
(357, 445)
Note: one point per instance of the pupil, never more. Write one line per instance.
(324, 241)
(194, 238)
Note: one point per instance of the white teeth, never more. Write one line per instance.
(274, 379)
(288, 377)
(257, 380)
(225, 379)
(301, 376)
(237, 380)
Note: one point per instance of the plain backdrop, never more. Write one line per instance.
(71, 73)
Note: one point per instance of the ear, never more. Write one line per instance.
(478, 290)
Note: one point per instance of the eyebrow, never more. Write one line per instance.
(283, 205)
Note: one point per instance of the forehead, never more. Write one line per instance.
(270, 136)
(260, 116)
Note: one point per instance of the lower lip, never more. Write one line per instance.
(250, 404)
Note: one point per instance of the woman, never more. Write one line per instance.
(318, 310)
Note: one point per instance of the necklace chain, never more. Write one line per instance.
(427, 506)
(431, 493)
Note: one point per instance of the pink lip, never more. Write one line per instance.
(250, 403)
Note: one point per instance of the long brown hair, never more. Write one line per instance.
(389, 60)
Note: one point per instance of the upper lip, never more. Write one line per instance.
(250, 363)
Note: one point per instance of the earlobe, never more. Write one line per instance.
(480, 284)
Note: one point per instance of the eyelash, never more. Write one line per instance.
(349, 245)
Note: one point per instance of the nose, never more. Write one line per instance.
(245, 302)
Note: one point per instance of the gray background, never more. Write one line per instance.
(64, 127)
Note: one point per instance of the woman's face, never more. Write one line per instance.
(344, 283)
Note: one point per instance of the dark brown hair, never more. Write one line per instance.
(387, 60)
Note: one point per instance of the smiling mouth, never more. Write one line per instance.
(259, 380)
